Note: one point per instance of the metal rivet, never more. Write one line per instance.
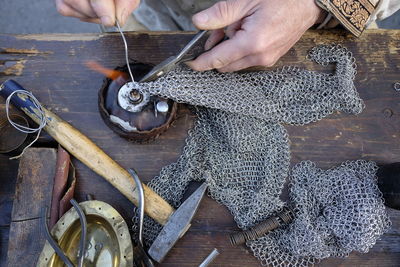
(387, 112)
(98, 246)
(135, 96)
(162, 106)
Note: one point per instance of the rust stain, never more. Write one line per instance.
(15, 69)
(19, 51)
(60, 37)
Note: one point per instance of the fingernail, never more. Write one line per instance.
(201, 18)
(192, 66)
(106, 21)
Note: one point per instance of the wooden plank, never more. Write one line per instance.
(4, 232)
(25, 243)
(8, 175)
(33, 192)
(53, 68)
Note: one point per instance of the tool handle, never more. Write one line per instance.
(282, 218)
(89, 153)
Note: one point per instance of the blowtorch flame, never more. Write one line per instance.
(109, 73)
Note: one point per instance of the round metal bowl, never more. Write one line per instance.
(143, 125)
(108, 238)
(12, 141)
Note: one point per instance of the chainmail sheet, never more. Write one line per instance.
(240, 149)
(337, 211)
(289, 95)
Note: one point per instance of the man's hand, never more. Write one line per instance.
(259, 31)
(98, 11)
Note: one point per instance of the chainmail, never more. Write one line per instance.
(337, 211)
(239, 147)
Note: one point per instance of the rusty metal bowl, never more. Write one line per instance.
(143, 125)
(108, 238)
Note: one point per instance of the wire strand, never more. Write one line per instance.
(22, 128)
(126, 49)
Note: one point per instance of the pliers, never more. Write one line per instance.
(193, 49)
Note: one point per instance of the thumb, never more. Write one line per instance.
(222, 14)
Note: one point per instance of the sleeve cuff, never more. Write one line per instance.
(352, 14)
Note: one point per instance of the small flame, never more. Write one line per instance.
(109, 73)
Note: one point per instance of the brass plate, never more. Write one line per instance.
(108, 238)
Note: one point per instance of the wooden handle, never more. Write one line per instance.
(90, 154)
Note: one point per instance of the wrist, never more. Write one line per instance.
(318, 14)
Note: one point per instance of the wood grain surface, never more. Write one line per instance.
(33, 192)
(52, 67)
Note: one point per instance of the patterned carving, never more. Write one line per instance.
(353, 14)
(354, 11)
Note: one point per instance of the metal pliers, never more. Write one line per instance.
(193, 49)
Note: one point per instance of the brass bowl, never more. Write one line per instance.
(108, 238)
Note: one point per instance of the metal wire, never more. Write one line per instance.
(52, 242)
(126, 49)
(209, 258)
(82, 243)
(83, 240)
(22, 128)
(141, 203)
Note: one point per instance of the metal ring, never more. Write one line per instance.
(397, 86)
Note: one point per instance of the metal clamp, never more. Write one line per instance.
(142, 258)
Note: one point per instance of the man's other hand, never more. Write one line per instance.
(98, 11)
(259, 31)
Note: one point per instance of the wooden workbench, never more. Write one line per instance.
(52, 67)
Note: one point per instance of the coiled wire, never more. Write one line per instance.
(41, 114)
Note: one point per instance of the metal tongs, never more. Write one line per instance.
(82, 243)
(141, 258)
(193, 49)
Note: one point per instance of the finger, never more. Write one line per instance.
(67, 11)
(240, 64)
(223, 14)
(124, 8)
(105, 10)
(82, 6)
(221, 55)
(265, 60)
(233, 28)
(215, 37)
(92, 20)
